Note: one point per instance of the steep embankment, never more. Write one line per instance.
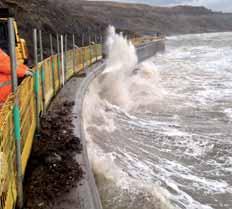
(149, 19)
(84, 17)
(52, 17)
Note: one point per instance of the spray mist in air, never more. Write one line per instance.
(125, 82)
(124, 87)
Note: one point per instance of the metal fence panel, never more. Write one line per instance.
(49, 69)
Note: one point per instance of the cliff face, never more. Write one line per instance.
(147, 19)
(85, 17)
(50, 17)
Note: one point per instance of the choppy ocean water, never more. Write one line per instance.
(159, 133)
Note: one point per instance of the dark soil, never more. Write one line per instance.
(52, 170)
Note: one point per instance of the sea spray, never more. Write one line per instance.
(124, 82)
(121, 53)
(169, 136)
(124, 85)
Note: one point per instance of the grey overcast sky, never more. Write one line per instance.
(217, 5)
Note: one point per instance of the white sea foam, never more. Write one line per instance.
(228, 112)
(122, 84)
(104, 166)
(159, 130)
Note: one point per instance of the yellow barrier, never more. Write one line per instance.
(75, 61)
(145, 39)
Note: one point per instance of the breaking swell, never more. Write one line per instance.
(122, 89)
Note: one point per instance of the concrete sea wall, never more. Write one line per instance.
(91, 193)
(85, 194)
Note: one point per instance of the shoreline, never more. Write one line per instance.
(81, 193)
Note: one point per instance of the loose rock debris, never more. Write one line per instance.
(52, 170)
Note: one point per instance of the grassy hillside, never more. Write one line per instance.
(149, 19)
(50, 17)
(85, 17)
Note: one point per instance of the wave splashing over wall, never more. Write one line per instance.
(115, 91)
(159, 132)
(124, 82)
